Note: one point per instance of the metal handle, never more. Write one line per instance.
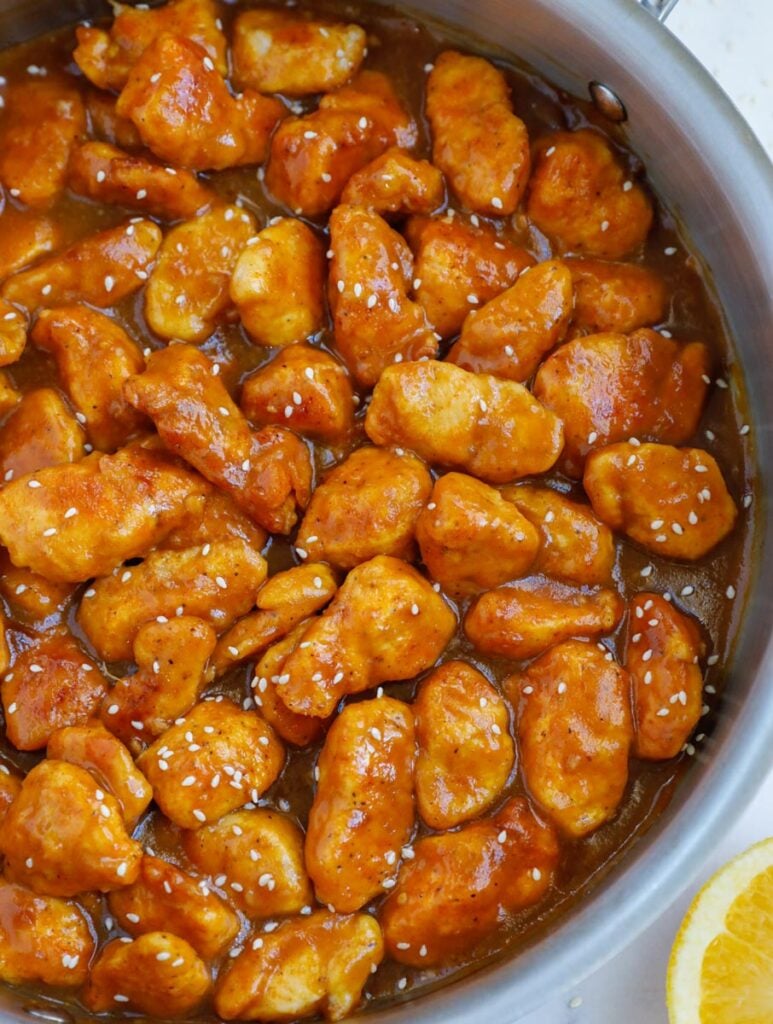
(659, 9)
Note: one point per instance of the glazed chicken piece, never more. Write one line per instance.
(609, 387)
(52, 684)
(187, 294)
(313, 157)
(235, 758)
(101, 269)
(256, 857)
(42, 119)
(13, 332)
(268, 473)
(9, 396)
(574, 546)
(374, 321)
(477, 141)
(5, 653)
(471, 539)
(305, 388)
(40, 432)
(158, 974)
(465, 752)
(104, 123)
(493, 429)
(210, 518)
(25, 236)
(460, 265)
(92, 747)
(396, 183)
(171, 658)
(615, 297)
(277, 51)
(363, 810)
(94, 356)
(527, 617)
(185, 114)
(278, 283)
(64, 835)
(217, 583)
(510, 334)
(575, 733)
(108, 175)
(283, 601)
(663, 651)
(459, 885)
(72, 522)
(367, 505)
(42, 939)
(671, 501)
(106, 56)
(10, 785)
(164, 898)
(348, 650)
(32, 599)
(309, 965)
(583, 199)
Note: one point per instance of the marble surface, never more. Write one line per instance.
(732, 39)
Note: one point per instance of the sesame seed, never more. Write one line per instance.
(49, 532)
(119, 998)
(592, 437)
(422, 950)
(221, 582)
(662, 712)
(109, 283)
(496, 202)
(646, 571)
(363, 122)
(561, 688)
(576, 1001)
(730, 592)
(670, 250)
(121, 869)
(605, 225)
(199, 815)
(402, 983)
(687, 591)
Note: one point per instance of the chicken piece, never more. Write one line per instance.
(104, 123)
(477, 141)
(298, 730)
(465, 752)
(43, 117)
(9, 396)
(574, 546)
(609, 387)
(53, 684)
(108, 175)
(471, 539)
(309, 965)
(575, 734)
(396, 183)
(216, 583)
(5, 653)
(386, 623)
(257, 857)
(313, 157)
(325, 411)
(41, 431)
(164, 898)
(31, 598)
(363, 810)
(459, 886)
(158, 974)
(277, 51)
(268, 473)
(510, 334)
(92, 747)
(63, 835)
(10, 786)
(493, 429)
(582, 198)
(232, 746)
(662, 655)
(459, 266)
(374, 321)
(210, 518)
(106, 56)
(25, 236)
(185, 114)
(101, 269)
(42, 939)
(367, 505)
(187, 294)
(615, 297)
(283, 601)
(94, 356)
(123, 504)
(523, 619)
(278, 282)
(672, 501)
(13, 332)
(171, 658)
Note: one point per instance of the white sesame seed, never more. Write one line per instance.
(730, 592)
(496, 202)
(199, 815)
(605, 225)
(49, 532)
(670, 250)
(592, 437)
(109, 283)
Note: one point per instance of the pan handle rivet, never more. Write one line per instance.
(607, 102)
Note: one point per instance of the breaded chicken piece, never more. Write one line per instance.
(10, 786)
(25, 236)
(31, 598)
(477, 141)
(9, 396)
(396, 183)
(211, 517)
(40, 432)
(615, 297)
(13, 332)
(493, 429)
(363, 810)
(104, 123)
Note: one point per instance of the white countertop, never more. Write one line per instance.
(732, 39)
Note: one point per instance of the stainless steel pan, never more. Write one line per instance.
(704, 160)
